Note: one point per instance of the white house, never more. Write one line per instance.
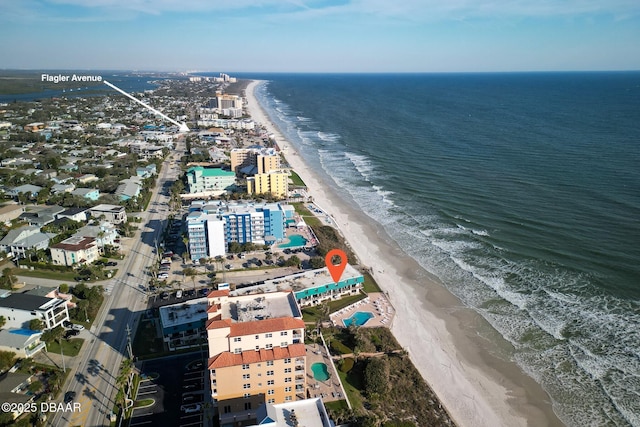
(19, 309)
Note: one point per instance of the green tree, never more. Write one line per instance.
(376, 377)
(316, 262)
(36, 325)
(192, 273)
(293, 261)
(235, 247)
(3, 320)
(6, 359)
(63, 288)
(51, 335)
(7, 279)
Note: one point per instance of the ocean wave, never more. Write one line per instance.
(580, 343)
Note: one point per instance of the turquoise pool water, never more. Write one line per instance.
(359, 318)
(295, 240)
(320, 371)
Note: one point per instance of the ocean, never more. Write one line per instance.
(519, 191)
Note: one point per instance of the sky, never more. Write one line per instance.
(321, 35)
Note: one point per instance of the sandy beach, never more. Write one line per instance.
(458, 354)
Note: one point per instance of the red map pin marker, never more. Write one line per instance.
(336, 270)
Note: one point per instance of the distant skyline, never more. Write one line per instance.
(321, 35)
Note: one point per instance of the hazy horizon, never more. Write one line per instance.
(321, 36)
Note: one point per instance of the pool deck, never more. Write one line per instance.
(329, 390)
(375, 303)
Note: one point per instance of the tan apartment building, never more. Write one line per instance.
(275, 182)
(256, 353)
(254, 160)
(75, 250)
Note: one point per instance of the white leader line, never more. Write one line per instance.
(183, 127)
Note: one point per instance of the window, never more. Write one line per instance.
(287, 370)
(284, 333)
(245, 367)
(287, 389)
(271, 401)
(246, 386)
(269, 346)
(227, 409)
(246, 395)
(237, 350)
(269, 335)
(287, 380)
(257, 348)
(287, 360)
(269, 373)
(270, 392)
(270, 382)
(246, 376)
(288, 398)
(247, 406)
(257, 337)
(269, 362)
(237, 339)
(284, 344)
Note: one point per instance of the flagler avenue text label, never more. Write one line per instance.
(57, 78)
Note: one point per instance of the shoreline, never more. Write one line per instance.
(454, 348)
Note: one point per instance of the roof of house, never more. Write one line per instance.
(75, 243)
(16, 338)
(25, 302)
(226, 359)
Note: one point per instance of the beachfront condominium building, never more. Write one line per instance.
(209, 181)
(211, 227)
(256, 353)
(311, 287)
(223, 104)
(275, 182)
(206, 236)
(253, 160)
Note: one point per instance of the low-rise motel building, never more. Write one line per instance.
(311, 287)
(256, 353)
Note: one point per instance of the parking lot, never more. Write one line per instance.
(176, 384)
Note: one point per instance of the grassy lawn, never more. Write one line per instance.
(143, 403)
(48, 274)
(309, 218)
(353, 382)
(70, 348)
(297, 181)
(370, 284)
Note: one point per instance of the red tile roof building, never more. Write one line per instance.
(256, 352)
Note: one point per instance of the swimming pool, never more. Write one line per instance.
(358, 318)
(320, 371)
(295, 240)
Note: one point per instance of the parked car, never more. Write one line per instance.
(111, 264)
(189, 409)
(67, 324)
(178, 294)
(77, 327)
(164, 295)
(70, 333)
(163, 276)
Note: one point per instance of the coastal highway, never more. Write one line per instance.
(93, 378)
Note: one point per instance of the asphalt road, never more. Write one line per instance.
(93, 378)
